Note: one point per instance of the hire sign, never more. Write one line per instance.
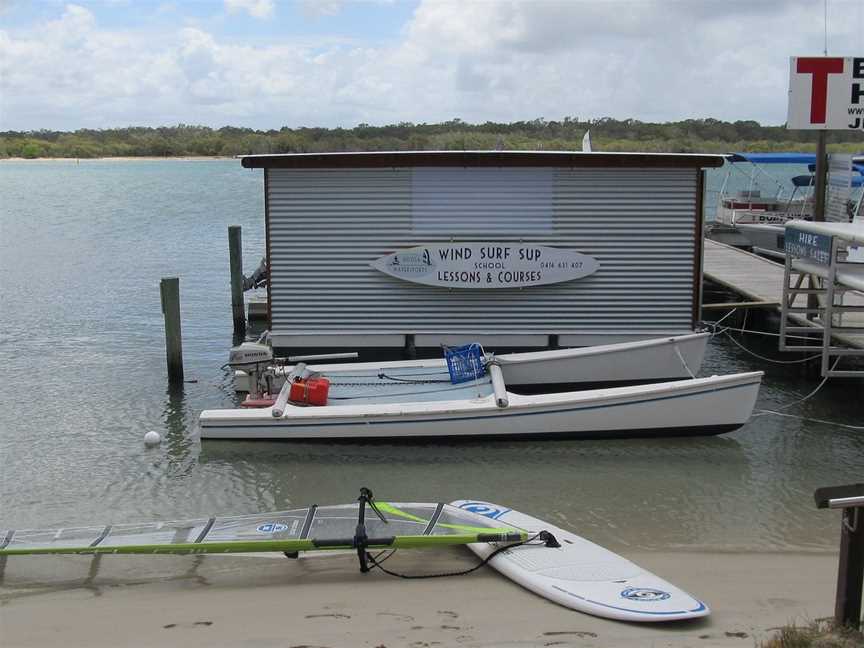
(826, 93)
(807, 245)
(486, 265)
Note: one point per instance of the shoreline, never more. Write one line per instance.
(324, 601)
(126, 158)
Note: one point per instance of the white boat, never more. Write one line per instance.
(765, 239)
(751, 206)
(631, 362)
(410, 405)
(753, 220)
(769, 239)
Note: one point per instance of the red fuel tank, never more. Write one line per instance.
(312, 391)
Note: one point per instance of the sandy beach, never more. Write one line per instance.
(325, 602)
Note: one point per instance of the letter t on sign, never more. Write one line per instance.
(820, 68)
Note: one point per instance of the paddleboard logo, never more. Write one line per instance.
(272, 527)
(486, 265)
(644, 594)
(484, 509)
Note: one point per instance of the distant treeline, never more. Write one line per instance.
(689, 136)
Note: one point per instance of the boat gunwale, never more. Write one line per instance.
(520, 405)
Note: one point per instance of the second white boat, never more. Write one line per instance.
(375, 407)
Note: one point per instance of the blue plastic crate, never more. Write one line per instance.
(465, 362)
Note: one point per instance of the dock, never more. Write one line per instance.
(749, 275)
(760, 281)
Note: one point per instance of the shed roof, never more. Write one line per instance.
(479, 159)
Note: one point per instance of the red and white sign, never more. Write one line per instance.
(826, 93)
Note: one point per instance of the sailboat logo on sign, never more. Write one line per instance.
(413, 262)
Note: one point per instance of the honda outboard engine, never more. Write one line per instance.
(255, 359)
(248, 354)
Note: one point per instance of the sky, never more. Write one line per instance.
(272, 63)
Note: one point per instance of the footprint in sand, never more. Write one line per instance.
(576, 633)
(401, 617)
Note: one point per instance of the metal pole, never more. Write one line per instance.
(235, 254)
(821, 178)
(818, 206)
(169, 290)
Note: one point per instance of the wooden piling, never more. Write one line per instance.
(409, 352)
(850, 571)
(235, 254)
(169, 290)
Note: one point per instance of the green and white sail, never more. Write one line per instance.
(314, 528)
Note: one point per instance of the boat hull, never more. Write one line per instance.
(765, 239)
(700, 406)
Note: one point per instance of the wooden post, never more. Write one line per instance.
(169, 289)
(235, 253)
(410, 350)
(850, 572)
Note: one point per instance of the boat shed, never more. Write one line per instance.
(411, 250)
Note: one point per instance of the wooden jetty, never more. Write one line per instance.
(749, 275)
(761, 281)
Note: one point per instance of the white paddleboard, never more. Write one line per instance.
(582, 575)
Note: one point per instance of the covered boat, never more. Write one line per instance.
(754, 218)
(641, 361)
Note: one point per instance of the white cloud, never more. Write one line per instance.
(317, 8)
(505, 60)
(255, 8)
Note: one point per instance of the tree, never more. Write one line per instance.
(31, 150)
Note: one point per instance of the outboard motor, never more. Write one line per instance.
(259, 278)
(254, 358)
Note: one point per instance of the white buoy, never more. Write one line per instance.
(152, 438)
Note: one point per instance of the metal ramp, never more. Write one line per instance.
(822, 266)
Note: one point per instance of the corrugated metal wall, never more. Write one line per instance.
(326, 226)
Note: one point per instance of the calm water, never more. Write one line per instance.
(82, 249)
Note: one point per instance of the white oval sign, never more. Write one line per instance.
(486, 265)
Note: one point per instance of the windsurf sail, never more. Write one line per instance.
(313, 528)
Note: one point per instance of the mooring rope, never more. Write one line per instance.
(717, 323)
(683, 361)
(763, 412)
(766, 359)
(807, 418)
(755, 332)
